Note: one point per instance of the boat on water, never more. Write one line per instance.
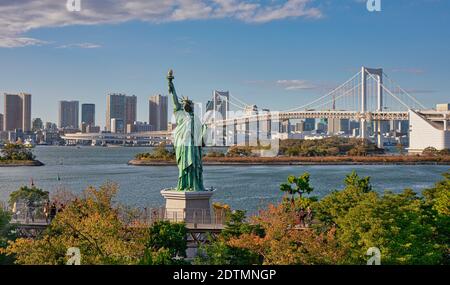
(29, 143)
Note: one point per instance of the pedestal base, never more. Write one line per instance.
(189, 207)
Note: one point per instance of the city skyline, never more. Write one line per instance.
(222, 50)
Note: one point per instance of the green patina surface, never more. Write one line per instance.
(188, 141)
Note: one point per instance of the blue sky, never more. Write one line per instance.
(274, 53)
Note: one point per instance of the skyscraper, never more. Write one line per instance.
(130, 109)
(88, 114)
(122, 107)
(1, 122)
(17, 112)
(157, 112)
(68, 114)
(26, 111)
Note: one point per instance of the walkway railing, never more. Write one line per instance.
(189, 216)
(36, 215)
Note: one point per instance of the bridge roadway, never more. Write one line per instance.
(353, 115)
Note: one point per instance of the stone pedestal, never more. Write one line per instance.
(189, 207)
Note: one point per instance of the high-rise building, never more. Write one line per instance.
(1, 122)
(17, 112)
(26, 111)
(68, 114)
(130, 109)
(336, 126)
(309, 125)
(122, 107)
(157, 112)
(88, 114)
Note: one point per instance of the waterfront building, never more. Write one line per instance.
(309, 124)
(121, 107)
(251, 110)
(338, 126)
(17, 113)
(157, 115)
(92, 129)
(300, 127)
(428, 133)
(139, 127)
(443, 107)
(49, 126)
(88, 114)
(117, 125)
(68, 114)
(321, 126)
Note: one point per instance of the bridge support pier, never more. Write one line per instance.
(363, 129)
(247, 132)
(379, 135)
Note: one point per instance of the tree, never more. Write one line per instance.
(430, 151)
(16, 151)
(297, 185)
(396, 224)
(94, 224)
(284, 244)
(6, 234)
(220, 252)
(406, 228)
(166, 244)
(29, 195)
(337, 203)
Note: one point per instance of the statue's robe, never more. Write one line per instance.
(188, 138)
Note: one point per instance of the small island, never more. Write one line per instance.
(16, 154)
(329, 151)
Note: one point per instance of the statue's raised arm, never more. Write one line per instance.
(176, 103)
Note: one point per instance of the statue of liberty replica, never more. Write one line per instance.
(189, 202)
(188, 142)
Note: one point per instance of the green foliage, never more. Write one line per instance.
(159, 153)
(169, 236)
(94, 224)
(161, 256)
(337, 203)
(241, 151)
(328, 147)
(236, 225)
(297, 185)
(406, 228)
(16, 151)
(219, 252)
(27, 194)
(6, 234)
